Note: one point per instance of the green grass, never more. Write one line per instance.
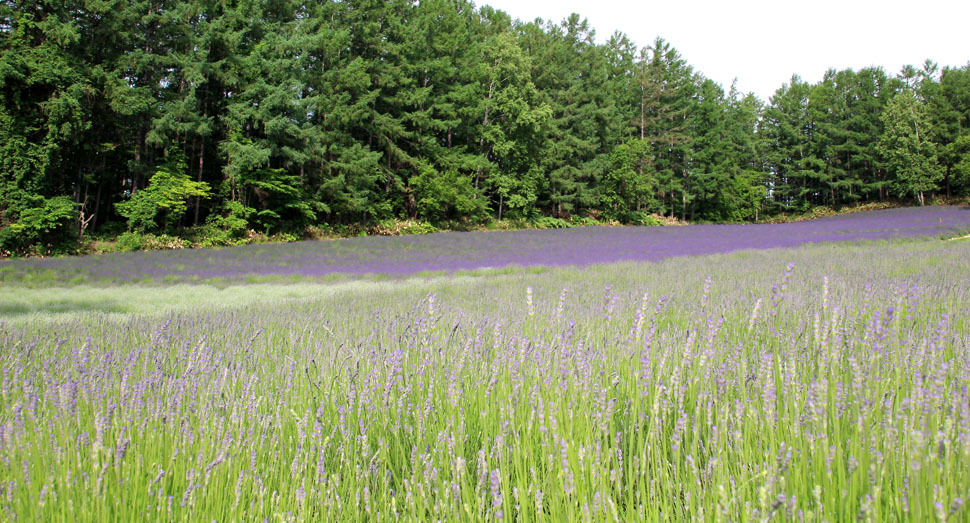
(896, 260)
(371, 400)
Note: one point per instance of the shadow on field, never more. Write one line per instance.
(61, 306)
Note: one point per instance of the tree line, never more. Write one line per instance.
(276, 115)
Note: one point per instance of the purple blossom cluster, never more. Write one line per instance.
(450, 252)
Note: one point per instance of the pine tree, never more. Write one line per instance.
(789, 134)
(45, 90)
(571, 74)
(665, 86)
(745, 197)
(906, 147)
(948, 109)
(709, 162)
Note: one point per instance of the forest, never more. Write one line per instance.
(223, 117)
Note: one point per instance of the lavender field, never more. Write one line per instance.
(821, 382)
(447, 253)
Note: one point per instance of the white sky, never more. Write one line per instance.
(762, 42)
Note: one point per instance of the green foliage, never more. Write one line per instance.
(444, 195)
(628, 186)
(131, 241)
(162, 204)
(38, 220)
(643, 219)
(403, 228)
(138, 241)
(584, 221)
(284, 237)
(517, 194)
(351, 114)
(279, 200)
(961, 168)
(44, 216)
(906, 147)
(549, 222)
(745, 195)
(234, 222)
(229, 227)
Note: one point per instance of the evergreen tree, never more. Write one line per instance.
(907, 149)
(791, 160)
(868, 97)
(666, 86)
(511, 120)
(948, 110)
(743, 199)
(709, 162)
(277, 115)
(628, 186)
(439, 52)
(44, 103)
(570, 72)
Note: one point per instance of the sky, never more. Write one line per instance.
(763, 42)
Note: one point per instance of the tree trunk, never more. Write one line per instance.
(683, 196)
(83, 222)
(946, 182)
(195, 221)
(643, 115)
(97, 208)
(882, 186)
(140, 139)
(481, 141)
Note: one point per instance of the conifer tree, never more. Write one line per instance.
(301, 113)
(906, 147)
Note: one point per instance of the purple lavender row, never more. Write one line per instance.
(450, 252)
